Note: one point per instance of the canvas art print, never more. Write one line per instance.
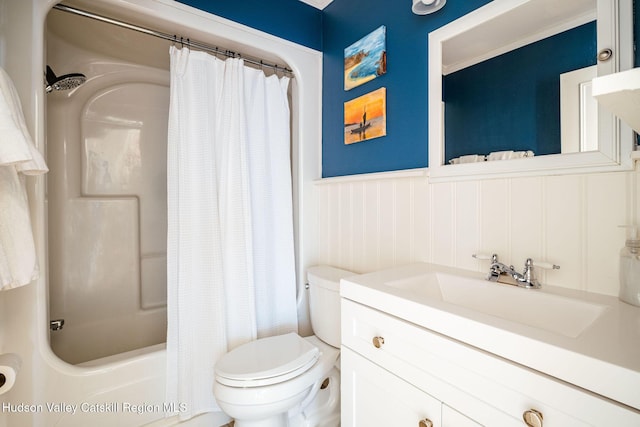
(365, 117)
(366, 59)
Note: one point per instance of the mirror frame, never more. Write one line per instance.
(615, 139)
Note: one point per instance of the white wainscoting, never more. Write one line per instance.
(370, 222)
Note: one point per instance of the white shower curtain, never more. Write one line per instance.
(231, 275)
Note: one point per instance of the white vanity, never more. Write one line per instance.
(425, 345)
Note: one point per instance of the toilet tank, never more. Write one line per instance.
(324, 302)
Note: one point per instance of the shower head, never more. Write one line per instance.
(68, 81)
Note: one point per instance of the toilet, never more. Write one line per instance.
(287, 380)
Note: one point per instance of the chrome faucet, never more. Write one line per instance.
(526, 279)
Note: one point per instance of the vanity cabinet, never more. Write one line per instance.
(396, 373)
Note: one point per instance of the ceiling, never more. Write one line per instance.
(319, 4)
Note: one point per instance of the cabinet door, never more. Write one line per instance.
(372, 396)
(453, 418)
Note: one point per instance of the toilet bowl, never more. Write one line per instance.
(269, 400)
(288, 380)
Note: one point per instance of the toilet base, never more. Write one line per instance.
(324, 408)
(273, 414)
(276, 421)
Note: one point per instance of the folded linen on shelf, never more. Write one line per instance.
(470, 158)
(509, 154)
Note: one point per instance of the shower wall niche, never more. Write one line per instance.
(106, 189)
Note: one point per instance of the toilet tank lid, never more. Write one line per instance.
(327, 277)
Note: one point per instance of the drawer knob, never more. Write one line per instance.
(425, 423)
(532, 418)
(378, 341)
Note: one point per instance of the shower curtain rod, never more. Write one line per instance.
(174, 38)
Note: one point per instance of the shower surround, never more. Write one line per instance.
(107, 194)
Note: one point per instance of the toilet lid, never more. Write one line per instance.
(266, 361)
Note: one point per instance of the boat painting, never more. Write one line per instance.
(366, 59)
(362, 128)
(365, 117)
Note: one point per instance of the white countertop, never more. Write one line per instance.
(604, 358)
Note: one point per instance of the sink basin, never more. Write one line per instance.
(554, 313)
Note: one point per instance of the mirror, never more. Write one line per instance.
(512, 79)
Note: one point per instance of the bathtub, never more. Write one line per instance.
(117, 384)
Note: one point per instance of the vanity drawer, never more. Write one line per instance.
(490, 390)
(453, 418)
(379, 398)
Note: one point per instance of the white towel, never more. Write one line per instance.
(521, 154)
(499, 155)
(470, 158)
(18, 155)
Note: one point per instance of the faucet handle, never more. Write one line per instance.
(493, 258)
(529, 275)
(547, 265)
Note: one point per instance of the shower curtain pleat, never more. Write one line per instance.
(230, 233)
(271, 196)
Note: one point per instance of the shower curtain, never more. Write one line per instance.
(230, 254)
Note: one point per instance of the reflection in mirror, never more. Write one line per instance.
(511, 80)
(578, 111)
(512, 101)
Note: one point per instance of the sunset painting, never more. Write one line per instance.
(365, 117)
(366, 59)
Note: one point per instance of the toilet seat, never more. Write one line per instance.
(266, 361)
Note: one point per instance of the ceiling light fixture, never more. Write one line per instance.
(424, 7)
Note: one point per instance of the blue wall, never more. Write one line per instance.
(289, 19)
(405, 146)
